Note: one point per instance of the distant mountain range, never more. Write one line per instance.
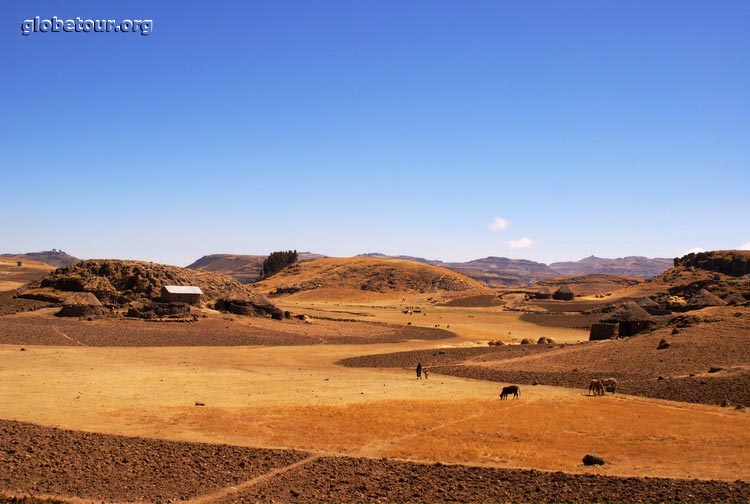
(502, 271)
(53, 257)
(635, 266)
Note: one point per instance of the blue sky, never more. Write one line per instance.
(589, 127)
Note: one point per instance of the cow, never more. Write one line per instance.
(596, 387)
(512, 389)
(610, 385)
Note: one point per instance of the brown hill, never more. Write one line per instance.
(734, 263)
(245, 268)
(121, 284)
(368, 274)
(52, 257)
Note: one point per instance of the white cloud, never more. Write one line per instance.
(744, 247)
(524, 242)
(498, 224)
(694, 250)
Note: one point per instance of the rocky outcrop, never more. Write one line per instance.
(734, 263)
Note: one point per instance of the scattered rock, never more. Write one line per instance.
(725, 403)
(592, 459)
(663, 344)
(198, 403)
(715, 369)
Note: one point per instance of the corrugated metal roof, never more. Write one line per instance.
(183, 289)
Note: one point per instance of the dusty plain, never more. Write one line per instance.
(299, 398)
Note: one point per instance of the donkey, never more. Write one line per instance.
(610, 385)
(596, 387)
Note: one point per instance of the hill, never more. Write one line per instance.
(368, 274)
(54, 257)
(633, 266)
(245, 268)
(137, 285)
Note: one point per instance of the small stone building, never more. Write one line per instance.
(181, 294)
(81, 304)
(704, 299)
(603, 331)
(19, 263)
(630, 319)
(543, 293)
(564, 293)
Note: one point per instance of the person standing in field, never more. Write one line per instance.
(419, 371)
(426, 373)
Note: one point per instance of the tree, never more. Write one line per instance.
(277, 261)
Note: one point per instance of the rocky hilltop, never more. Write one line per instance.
(137, 285)
(52, 257)
(735, 263)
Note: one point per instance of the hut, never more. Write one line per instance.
(564, 293)
(631, 319)
(651, 306)
(81, 304)
(181, 294)
(19, 263)
(543, 293)
(734, 299)
(703, 299)
(603, 330)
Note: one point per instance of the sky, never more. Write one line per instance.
(451, 130)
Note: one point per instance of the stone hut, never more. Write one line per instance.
(81, 304)
(181, 294)
(651, 306)
(704, 299)
(19, 263)
(734, 299)
(564, 293)
(603, 331)
(543, 293)
(631, 319)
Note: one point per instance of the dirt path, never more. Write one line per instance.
(231, 491)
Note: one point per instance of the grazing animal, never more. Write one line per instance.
(610, 385)
(596, 387)
(513, 389)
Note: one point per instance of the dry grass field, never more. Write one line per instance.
(263, 384)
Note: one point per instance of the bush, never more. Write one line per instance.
(277, 261)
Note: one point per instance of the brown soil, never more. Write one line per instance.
(481, 301)
(344, 479)
(215, 330)
(60, 464)
(576, 321)
(9, 304)
(43, 460)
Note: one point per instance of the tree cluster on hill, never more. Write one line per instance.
(278, 261)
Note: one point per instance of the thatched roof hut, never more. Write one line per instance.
(703, 299)
(632, 319)
(734, 299)
(81, 304)
(602, 331)
(651, 306)
(543, 293)
(564, 293)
